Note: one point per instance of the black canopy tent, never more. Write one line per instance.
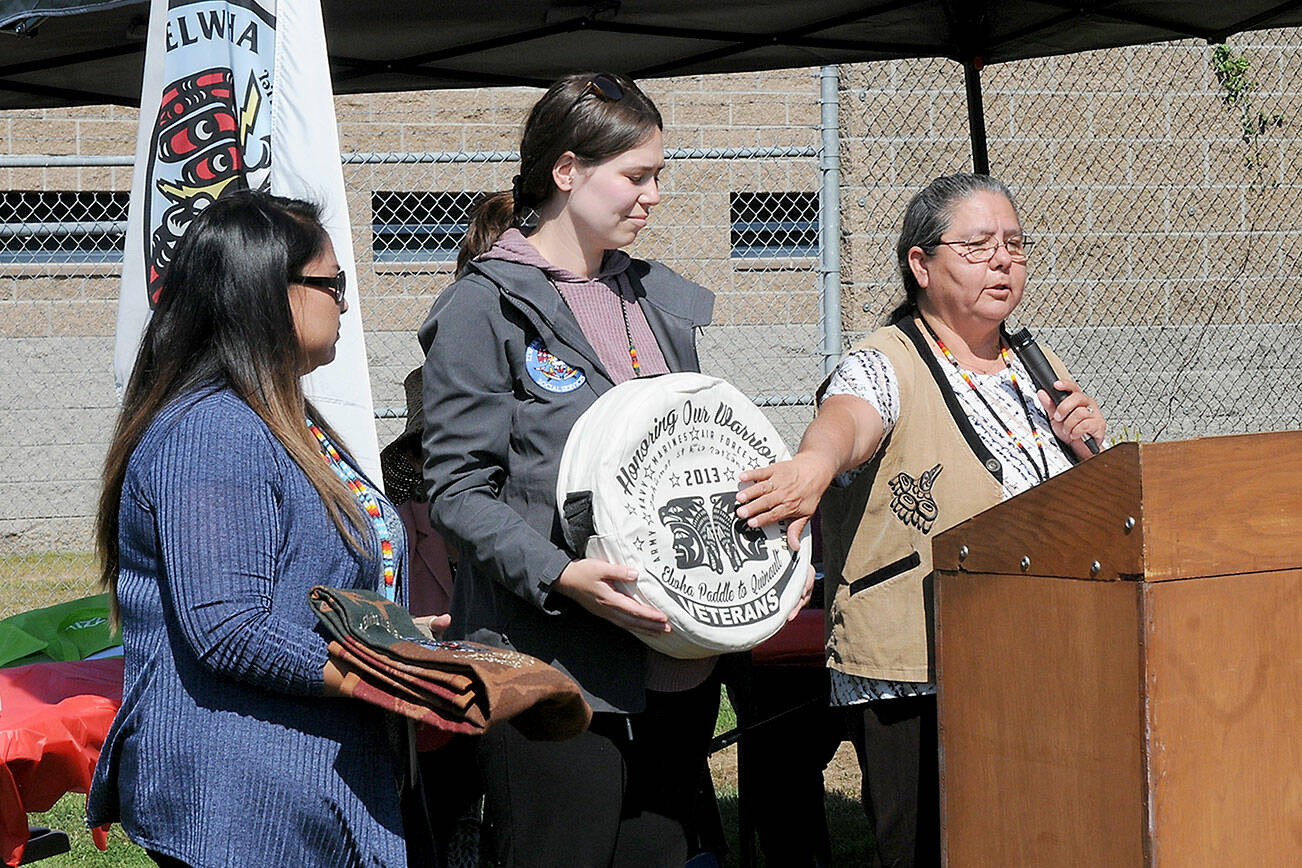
(80, 52)
(71, 52)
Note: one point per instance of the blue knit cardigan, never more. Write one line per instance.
(224, 752)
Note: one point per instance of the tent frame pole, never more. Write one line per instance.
(976, 116)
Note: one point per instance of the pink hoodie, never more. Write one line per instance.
(595, 303)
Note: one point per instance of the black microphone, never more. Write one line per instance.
(1042, 375)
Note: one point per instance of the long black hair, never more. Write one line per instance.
(571, 116)
(223, 318)
(927, 216)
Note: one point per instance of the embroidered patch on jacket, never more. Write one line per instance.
(550, 372)
(912, 502)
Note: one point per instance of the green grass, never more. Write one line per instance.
(69, 815)
(727, 717)
(848, 832)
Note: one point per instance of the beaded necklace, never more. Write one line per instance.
(628, 333)
(628, 329)
(354, 482)
(1040, 474)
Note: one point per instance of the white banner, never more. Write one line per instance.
(238, 94)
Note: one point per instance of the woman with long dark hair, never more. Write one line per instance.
(547, 313)
(226, 498)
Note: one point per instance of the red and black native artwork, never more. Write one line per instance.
(198, 150)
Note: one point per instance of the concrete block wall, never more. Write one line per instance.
(1157, 225)
(57, 321)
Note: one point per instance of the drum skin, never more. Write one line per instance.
(649, 479)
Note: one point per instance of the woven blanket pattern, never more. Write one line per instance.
(453, 687)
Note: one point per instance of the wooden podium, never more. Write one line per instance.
(1119, 653)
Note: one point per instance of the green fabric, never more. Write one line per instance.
(68, 631)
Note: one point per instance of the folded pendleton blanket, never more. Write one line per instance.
(460, 687)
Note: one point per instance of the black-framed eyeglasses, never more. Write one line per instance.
(984, 251)
(335, 286)
(603, 86)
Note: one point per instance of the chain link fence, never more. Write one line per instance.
(739, 215)
(756, 249)
(1167, 200)
(1164, 186)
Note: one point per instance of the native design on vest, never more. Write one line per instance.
(661, 457)
(548, 371)
(213, 128)
(911, 499)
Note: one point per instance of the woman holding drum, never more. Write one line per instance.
(546, 314)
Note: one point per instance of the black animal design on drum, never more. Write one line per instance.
(649, 474)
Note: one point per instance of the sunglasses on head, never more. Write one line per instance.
(335, 286)
(605, 87)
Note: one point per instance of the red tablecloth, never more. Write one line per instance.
(53, 720)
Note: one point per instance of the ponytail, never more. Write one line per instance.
(492, 215)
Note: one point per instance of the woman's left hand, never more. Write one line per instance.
(805, 595)
(1076, 417)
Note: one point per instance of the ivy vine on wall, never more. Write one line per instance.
(1233, 73)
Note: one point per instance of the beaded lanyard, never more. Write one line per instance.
(1040, 475)
(331, 456)
(628, 333)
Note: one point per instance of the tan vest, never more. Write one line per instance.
(930, 473)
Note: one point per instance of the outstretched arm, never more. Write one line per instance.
(845, 433)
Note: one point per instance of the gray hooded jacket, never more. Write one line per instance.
(507, 373)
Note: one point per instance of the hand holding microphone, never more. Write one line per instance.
(1043, 376)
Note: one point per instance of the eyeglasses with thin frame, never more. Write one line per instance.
(983, 251)
(335, 286)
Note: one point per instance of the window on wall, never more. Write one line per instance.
(419, 226)
(774, 225)
(62, 227)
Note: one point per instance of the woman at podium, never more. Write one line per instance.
(929, 421)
